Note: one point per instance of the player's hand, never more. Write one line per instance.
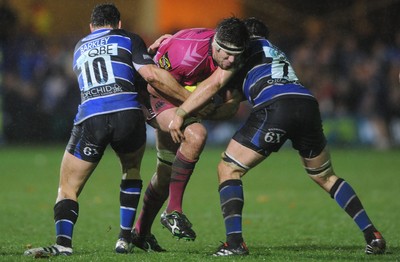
(154, 46)
(175, 129)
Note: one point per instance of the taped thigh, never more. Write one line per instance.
(323, 171)
(165, 157)
(234, 163)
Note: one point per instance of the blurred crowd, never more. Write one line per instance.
(38, 91)
(354, 75)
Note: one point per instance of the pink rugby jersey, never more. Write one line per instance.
(187, 55)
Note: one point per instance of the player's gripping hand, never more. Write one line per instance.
(176, 124)
(152, 49)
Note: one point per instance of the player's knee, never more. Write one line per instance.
(196, 134)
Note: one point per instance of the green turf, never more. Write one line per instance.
(286, 217)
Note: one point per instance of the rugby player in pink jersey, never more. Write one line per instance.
(191, 56)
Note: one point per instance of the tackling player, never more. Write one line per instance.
(282, 109)
(106, 63)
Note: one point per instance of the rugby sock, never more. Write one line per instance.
(232, 201)
(65, 216)
(152, 203)
(182, 169)
(129, 198)
(347, 199)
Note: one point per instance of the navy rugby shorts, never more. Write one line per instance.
(294, 119)
(125, 131)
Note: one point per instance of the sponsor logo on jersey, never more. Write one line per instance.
(101, 91)
(159, 104)
(164, 62)
(94, 44)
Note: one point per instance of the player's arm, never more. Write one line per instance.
(158, 78)
(163, 81)
(206, 90)
(228, 108)
(200, 96)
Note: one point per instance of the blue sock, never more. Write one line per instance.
(129, 198)
(65, 216)
(232, 201)
(347, 199)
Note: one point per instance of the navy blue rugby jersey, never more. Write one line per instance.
(268, 75)
(106, 64)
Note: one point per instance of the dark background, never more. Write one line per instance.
(346, 52)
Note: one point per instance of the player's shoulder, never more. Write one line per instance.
(125, 33)
(193, 38)
(194, 33)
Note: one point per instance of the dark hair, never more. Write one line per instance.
(232, 32)
(256, 28)
(105, 15)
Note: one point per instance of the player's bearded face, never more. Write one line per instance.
(225, 60)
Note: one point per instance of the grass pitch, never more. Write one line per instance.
(286, 217)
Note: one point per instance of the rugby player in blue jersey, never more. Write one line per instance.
(282, 109)
(107, 63)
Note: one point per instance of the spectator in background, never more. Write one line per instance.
(332, 61)
(41, 18)
(8, 21)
